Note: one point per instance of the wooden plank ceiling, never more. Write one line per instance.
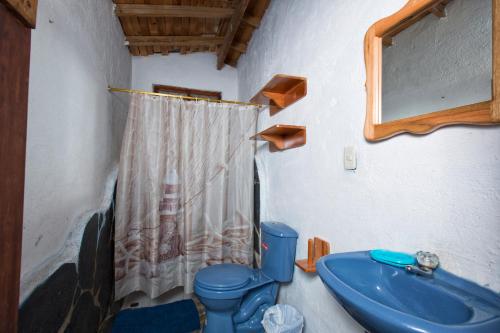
(224, 27)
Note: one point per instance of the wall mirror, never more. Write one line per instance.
(431, 64)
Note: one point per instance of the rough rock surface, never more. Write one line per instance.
(80, 300)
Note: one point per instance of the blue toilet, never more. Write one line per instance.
(235, 296)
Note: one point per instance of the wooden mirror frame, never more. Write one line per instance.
(483, 113)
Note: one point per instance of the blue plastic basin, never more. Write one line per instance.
(385, 298)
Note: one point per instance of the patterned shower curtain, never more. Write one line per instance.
(184, 194)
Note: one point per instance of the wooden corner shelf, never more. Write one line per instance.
(280, 92)
(281, 137)
(316, 249)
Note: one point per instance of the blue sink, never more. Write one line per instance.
(387, 299)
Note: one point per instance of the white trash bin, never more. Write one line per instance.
(282, 318)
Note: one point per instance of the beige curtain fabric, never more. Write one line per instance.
(185, 192)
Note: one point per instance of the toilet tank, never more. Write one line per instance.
(278, 243)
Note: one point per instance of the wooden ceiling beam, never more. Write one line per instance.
(174, 38)
(234, 24)
(252, 21)
(146, 10)
(439, 10)
(174, 41)
(387, 41)
(406, 24)
(240, 47)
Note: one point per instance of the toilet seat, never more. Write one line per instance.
(224, 281)
(223, 277)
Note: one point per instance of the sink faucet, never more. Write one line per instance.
(427, 263)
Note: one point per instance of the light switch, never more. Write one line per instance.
(350, 158)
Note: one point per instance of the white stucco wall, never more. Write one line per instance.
(74, 127)
(438, 192)
(438, 64)
(196, 70)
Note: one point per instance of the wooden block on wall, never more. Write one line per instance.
(316, 248)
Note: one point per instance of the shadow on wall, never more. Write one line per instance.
(78, 298)
(256, 216)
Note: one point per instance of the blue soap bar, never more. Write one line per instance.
(398, 259)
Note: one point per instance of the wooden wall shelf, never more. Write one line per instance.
(280, 92)
(281, 137)
(316, 249)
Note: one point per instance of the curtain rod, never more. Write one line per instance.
(112, 89)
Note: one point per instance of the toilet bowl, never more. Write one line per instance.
(236, 296)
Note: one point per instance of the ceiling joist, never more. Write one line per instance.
(174, 41)
(222, 27)
(387, 41)
(438, 9)
(231, 32)
(240, 47)
(145, 10)
(252, 21)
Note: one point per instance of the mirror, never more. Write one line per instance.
(432, 64)
(439, 62)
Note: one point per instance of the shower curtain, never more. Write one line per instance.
(185, 192)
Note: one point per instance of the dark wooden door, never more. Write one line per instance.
(14, 74)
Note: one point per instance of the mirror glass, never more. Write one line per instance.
(438, 59)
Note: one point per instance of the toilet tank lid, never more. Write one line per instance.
(278, 229)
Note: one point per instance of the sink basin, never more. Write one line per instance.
(385, 299)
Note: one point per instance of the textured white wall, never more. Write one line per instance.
(74, 124)
(438, 192)
(196, 70)
(438, 64)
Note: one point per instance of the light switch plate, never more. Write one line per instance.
(350, 162)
